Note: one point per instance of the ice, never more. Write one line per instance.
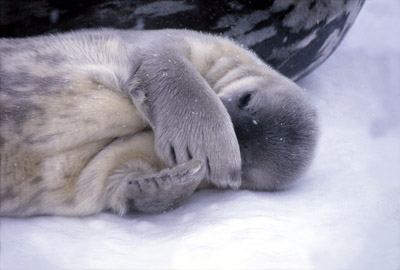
(344, 214)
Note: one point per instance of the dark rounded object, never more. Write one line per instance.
(293, 36)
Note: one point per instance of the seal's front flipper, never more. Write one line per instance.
(187, 117)
(166, 189)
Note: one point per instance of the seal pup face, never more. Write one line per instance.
(276, 127)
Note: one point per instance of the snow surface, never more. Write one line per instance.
(345, 214)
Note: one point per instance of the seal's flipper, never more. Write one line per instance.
(166, 189)
(187, 117)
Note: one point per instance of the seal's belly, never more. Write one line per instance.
(46, 140)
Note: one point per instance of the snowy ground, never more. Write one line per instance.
(345, 214)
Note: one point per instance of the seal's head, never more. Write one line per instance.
(277, 130)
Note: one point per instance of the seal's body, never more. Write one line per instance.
(72, 104)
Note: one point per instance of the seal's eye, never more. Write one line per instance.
(244, 100)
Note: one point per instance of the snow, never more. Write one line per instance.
(344, 214)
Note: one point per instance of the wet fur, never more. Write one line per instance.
(84, 114)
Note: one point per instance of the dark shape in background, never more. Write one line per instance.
(293, 36)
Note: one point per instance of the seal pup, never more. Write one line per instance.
(67, 99)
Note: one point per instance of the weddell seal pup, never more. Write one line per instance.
(98, 120)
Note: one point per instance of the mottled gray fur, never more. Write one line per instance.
(109, 119)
